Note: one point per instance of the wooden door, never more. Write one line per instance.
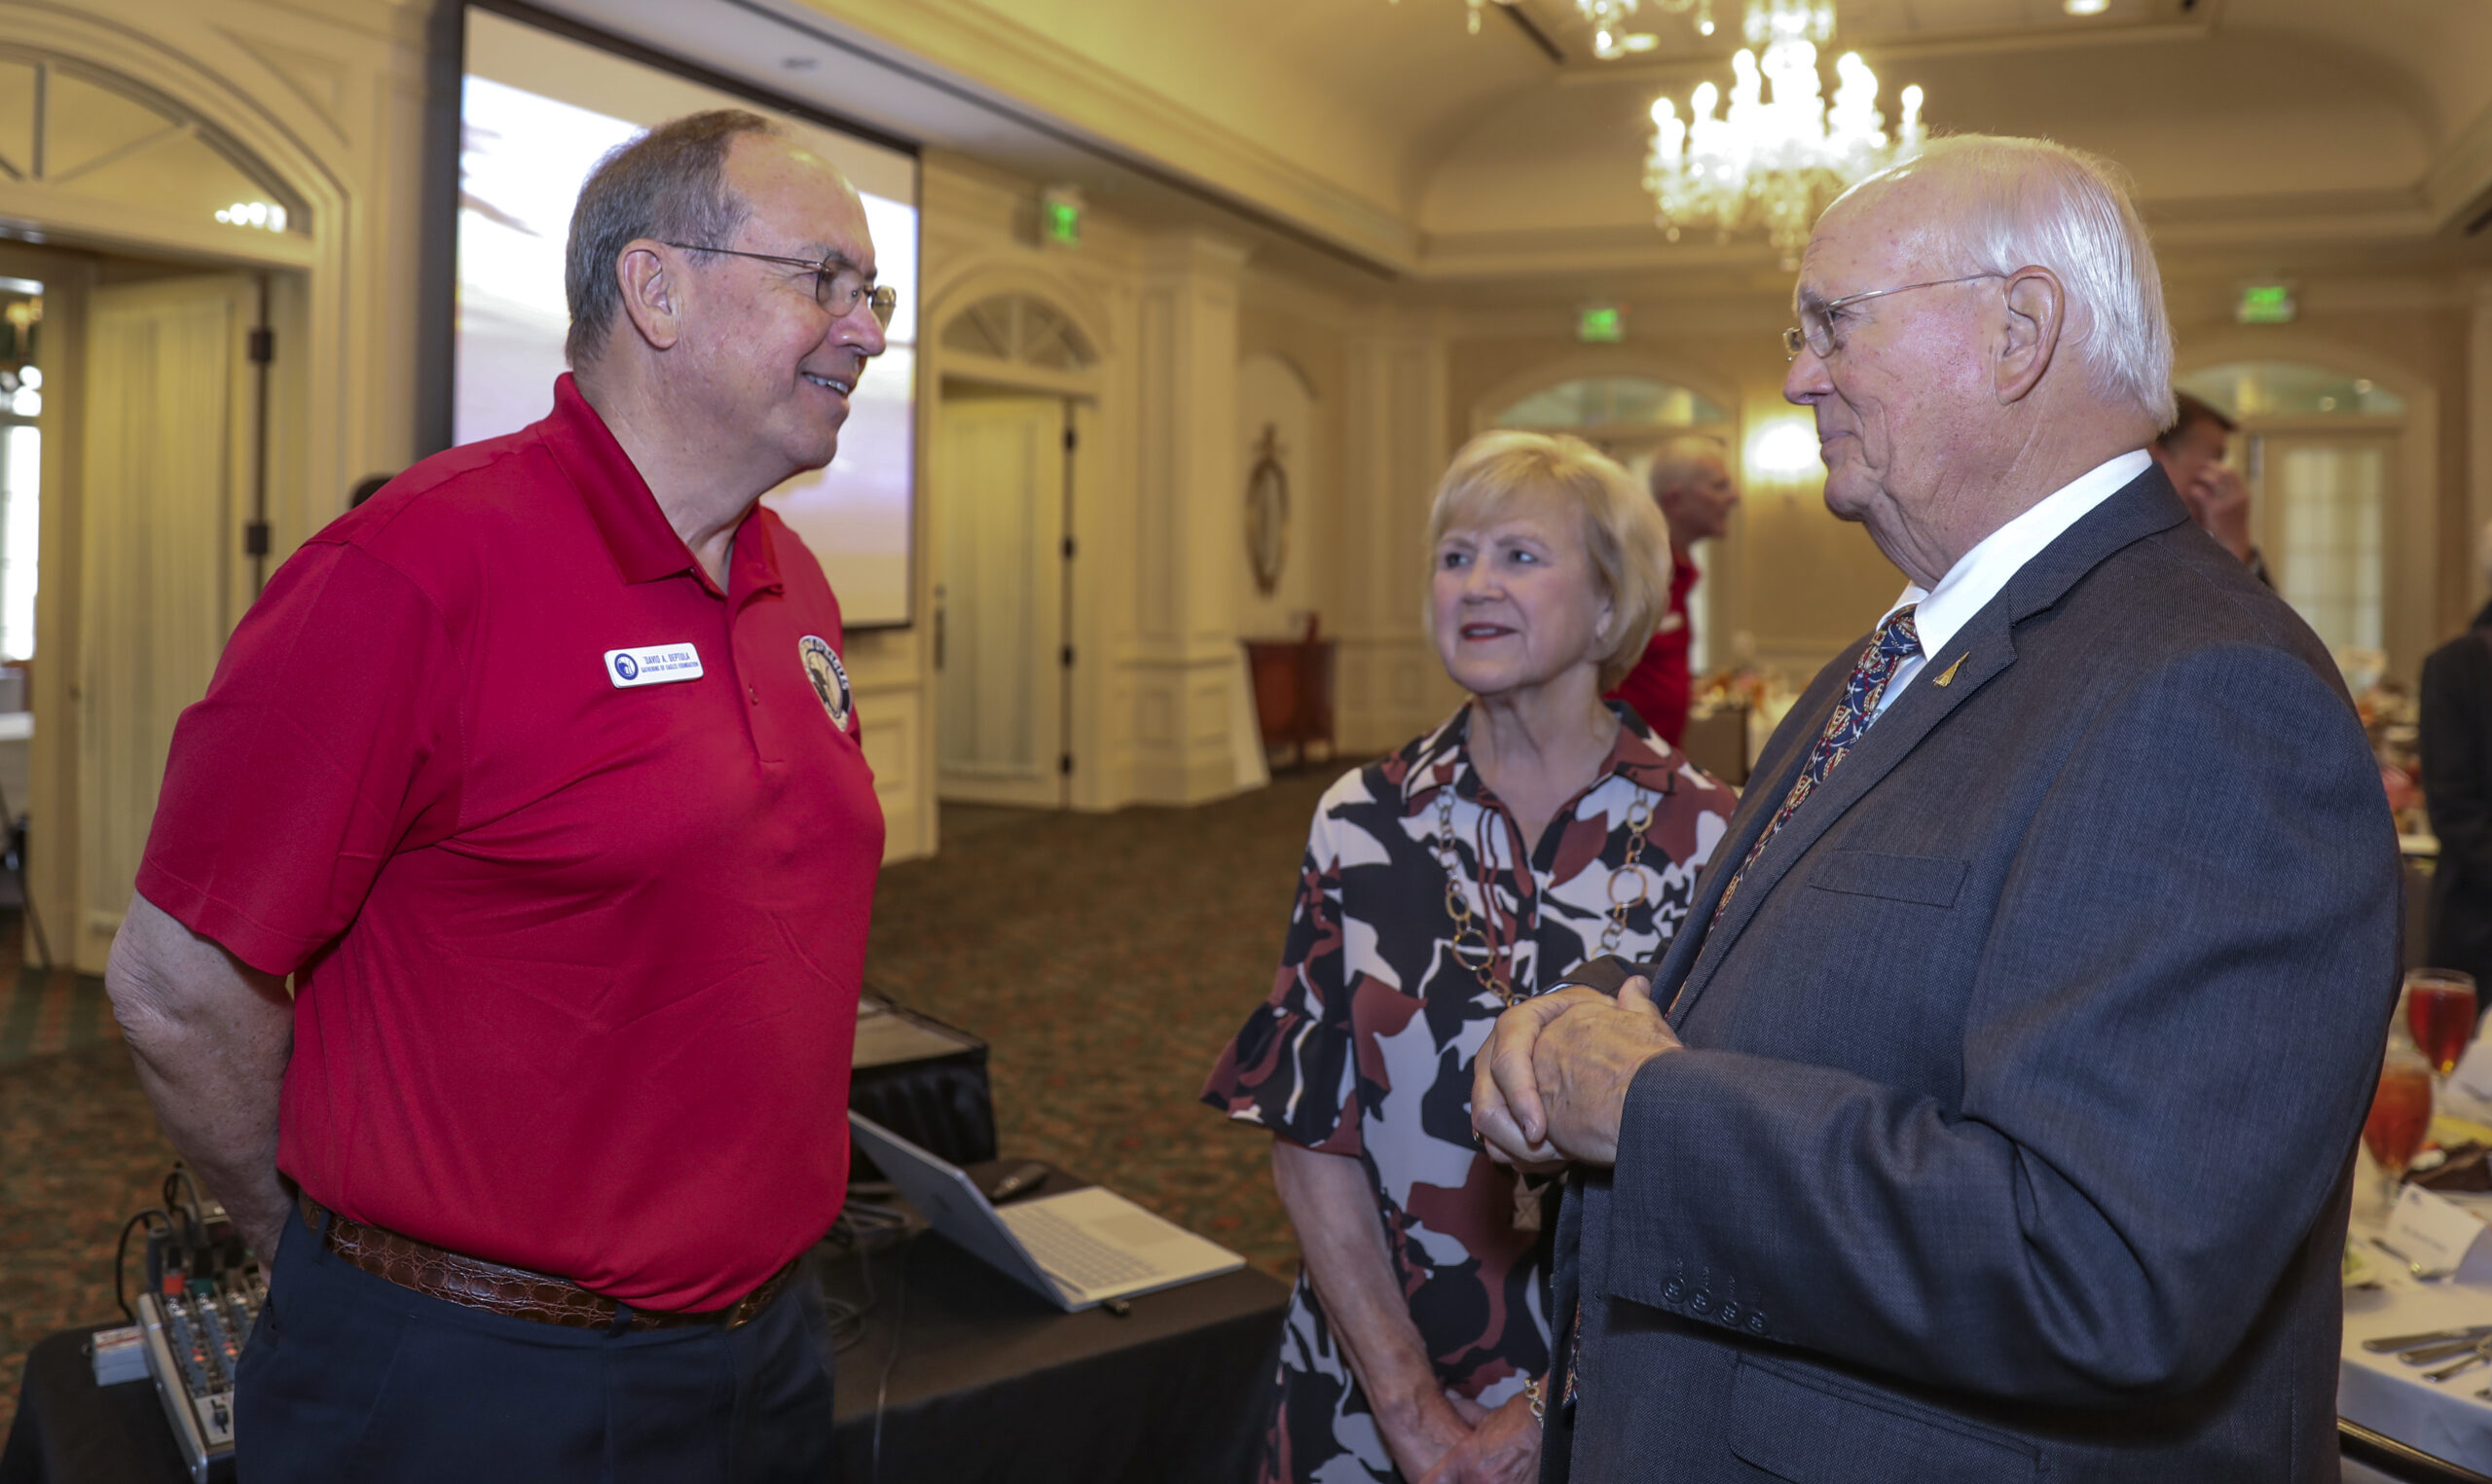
(999, 487)
(166, 473)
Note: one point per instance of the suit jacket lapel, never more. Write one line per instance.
(1976, 654)
(1761, 797)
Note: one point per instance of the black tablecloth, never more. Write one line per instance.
(70, 1431)
(992, 1382)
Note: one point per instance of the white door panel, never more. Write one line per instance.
(1000, 604)
(167, 465)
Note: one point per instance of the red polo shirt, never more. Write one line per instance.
(577, 960)
(1658, 687)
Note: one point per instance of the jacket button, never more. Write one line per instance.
(1700, 1303)
(1756, 1324)
(1730, 1314)
(1676, 1292)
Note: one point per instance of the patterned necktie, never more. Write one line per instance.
(1897, 640)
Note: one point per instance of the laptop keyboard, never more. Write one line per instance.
(1069, 1254)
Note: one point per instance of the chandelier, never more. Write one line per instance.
(1778, 158)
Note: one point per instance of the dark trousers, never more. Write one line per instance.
(349, 1376)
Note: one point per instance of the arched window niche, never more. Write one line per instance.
(1022, 331)
(1613, 403)
(2245, 390)
(110, 139)
(2321, 449)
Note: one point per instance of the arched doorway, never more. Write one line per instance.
(2324, 452)
(171, 265)
(1016, 376)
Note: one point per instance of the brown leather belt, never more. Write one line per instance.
(428, 1270)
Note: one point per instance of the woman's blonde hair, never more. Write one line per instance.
(1623, 532)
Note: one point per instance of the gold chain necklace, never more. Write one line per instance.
(1470, 946)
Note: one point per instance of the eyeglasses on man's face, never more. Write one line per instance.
(837, 285)
(1823, 326)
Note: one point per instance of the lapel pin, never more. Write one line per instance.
(1944, 680)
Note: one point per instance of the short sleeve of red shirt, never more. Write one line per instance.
(327, 738)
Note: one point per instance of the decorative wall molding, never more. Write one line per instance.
(1050, 82)
(2460, 173)
(343, 303)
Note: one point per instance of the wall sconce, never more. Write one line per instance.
(1783, 450)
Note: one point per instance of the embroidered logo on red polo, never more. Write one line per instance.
(652, 665)
(830, 677)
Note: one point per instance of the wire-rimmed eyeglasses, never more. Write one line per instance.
(837, 285)
(1817, 331)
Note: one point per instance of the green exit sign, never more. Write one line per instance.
(1060, 216)
(2266, 304)
(1601, 325)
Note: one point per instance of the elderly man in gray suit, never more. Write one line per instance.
(1992, 1118)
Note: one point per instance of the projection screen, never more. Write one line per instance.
(536, 112)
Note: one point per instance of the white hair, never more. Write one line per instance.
(2036, 203)
(1681, 462)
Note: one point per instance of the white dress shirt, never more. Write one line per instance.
(1978, 575)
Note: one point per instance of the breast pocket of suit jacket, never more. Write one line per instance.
(1928, 881)
(1817, 1429)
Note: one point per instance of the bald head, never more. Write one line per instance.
(1978, 326)
(1982, 203)
(1691, 481)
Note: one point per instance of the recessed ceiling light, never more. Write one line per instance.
(2085, 7)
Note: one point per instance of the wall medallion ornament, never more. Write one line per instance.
(1267, 513)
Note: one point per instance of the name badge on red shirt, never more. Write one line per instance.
(652, 665)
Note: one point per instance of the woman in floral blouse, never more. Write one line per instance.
(1536, 828)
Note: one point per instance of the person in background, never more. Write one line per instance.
(2456, 740)
(1694, 488)
(1994, 1117)
(2191, 453)
(1534, 828)
(538, 773)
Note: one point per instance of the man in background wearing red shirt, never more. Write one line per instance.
(538, 773)
(1694, 488)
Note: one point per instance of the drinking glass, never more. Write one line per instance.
(2440, 1012)
(2400, 1116)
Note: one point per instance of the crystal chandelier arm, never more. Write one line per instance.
(1778, 150)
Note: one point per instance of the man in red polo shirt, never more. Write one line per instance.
(539, 773)
(1693, 487)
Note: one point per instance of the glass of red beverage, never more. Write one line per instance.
(2401, 1115)
(2440, 1014)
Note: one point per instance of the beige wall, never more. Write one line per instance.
(330, 92)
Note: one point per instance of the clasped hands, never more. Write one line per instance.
(1551, 1082)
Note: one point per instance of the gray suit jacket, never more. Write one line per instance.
(2027, 1067)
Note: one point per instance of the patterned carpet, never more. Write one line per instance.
(1105, 958)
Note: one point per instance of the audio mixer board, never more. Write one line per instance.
(202, 1294)
(194, 1338)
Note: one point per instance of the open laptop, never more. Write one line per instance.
(1078, 1250)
